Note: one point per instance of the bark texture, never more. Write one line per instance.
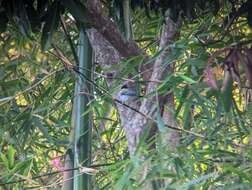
(148, 107)
(109, 47)
(105, 26)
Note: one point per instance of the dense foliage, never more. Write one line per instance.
(211, 82)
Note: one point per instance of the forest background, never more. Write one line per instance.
(125, 94)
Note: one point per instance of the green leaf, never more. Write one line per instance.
(11, 154)
(226, 96)
(187, 115)
(187, 79)
(249, 109)
(200, 61)
(5, 161)
(160, 122)
(2, 73)
(181, 100)
(50, 26)
(42, 128)
(124, 180)
(22, 167)
(200, 179)
(22, 19)
(243, 186)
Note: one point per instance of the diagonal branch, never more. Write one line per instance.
(109, 30)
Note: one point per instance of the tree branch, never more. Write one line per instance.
(109, 30)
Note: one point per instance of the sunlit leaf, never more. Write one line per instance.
(5, 160)
(11, 158)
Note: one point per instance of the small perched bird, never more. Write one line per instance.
(128, 93)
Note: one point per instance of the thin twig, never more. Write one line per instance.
(69, 39)
(65, 60)
(31, 87)
(55, 172)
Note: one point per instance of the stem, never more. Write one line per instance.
(83, 121)
(127, 20)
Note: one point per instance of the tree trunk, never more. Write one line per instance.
(134, 116)
(138, 122)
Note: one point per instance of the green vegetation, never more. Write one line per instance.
(63, 125)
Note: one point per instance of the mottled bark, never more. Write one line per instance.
(105, 26)
(109, 30)
(160, 70)
(110, 47)
(106, 55)
(170, 137)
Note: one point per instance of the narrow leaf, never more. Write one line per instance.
(187, 79)
(22, 19)
(5, 160)
(50, 26)
(42, 128)
(226, 96)
(160, 123)
(11, 154)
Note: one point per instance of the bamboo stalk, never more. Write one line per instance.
(83, 127)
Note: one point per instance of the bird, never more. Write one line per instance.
(128, 93)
